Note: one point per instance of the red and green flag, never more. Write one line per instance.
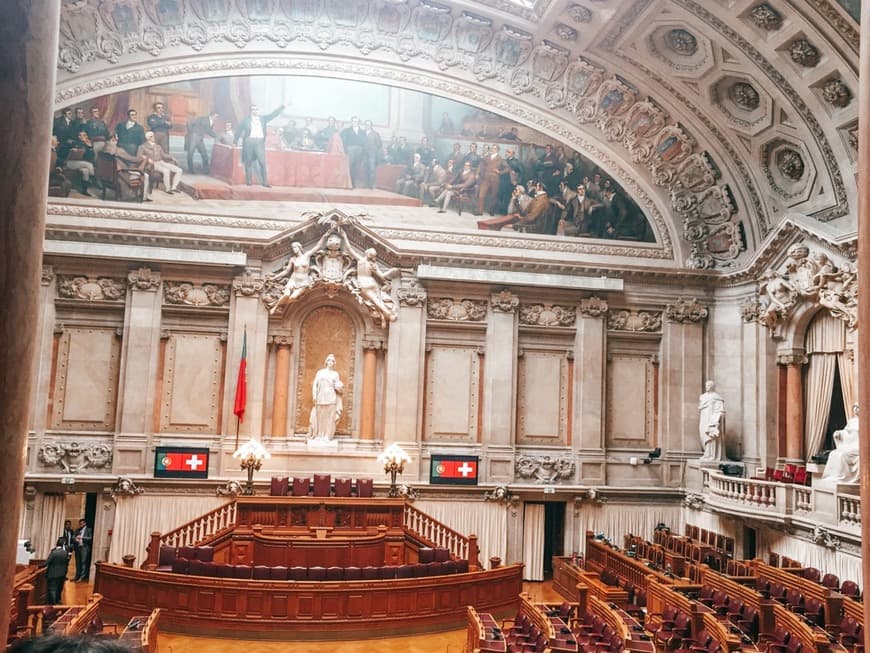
(242, 382)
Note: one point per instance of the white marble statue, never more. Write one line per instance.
(711, 407)
(326, 391)
(371, 286)
(298, 275)
(842, 465)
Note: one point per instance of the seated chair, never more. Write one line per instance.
(321, 485)
(300, 486)
(112, 175)
(279, 486)
(343, 487)
(364, 487)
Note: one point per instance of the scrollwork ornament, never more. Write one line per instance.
(593, 307)
(501, 494)
(547, 315)
(686, 310)
(248, 285)
(85, 288)
(823, 537)
(804, 53)
(635, 321)
(231, 489)
(750, 310)
(412, 294)
(766, 17)
(694, 501)
(545, 469)
(126, 487)
(188, 294)
(143, 279)
(73, 456)
(504, 301)
(836, 93)
(463, 310)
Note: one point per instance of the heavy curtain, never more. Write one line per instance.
(844, 565)
(47, 524)
(617, 520)
(825, 342)
(137, 517)
(486, 520)
(533, 541)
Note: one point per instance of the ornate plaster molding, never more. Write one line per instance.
(143, 279)
(457, 310)
(504, 301)
(634, 321)
(547, 315)
(593, 307)
(685, 310)
(545, 469)
(91, 288)
(125, 487)
(185, 293)
(249, 285)
(412, 294)
(75, 456)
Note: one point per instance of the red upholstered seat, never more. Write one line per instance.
(208, 568)
(300, 486)
(388, 572)
(188, 552)
(352, 573)
(298, 573)
(370, 573)
(317, 573)
(321, 485)
(442, 554)
(335, 573)
(224, 570)
(167, 556)
(343, 487)
(261, 572)
(364, 487)
(831, 581)
(279, 572)
(204, 553)
(425, 554)
(279, 486)
(241, 571)
(180, 565)
(405, 571)
(195, 567)
(850, 588)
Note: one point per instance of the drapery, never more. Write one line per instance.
(617, 520)
(845, 565)
(136, 517)
(47, 524)
(486, 520)
(847, 382)
(533, 541)
(819, 384)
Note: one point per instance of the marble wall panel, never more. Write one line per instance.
(542, 392)
(86, 381)
(452, 394)
(629, 417)
(192, 374)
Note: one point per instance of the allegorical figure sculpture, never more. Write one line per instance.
(842, 465)
(298, 274)
(371, 285)
(711, 407)
(326, 392)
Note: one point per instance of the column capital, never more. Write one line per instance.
(686, 309)
(792, 358)
(593, 307)
(375, 344)
(412, 295)
(281, 339)
(47, 275)
(504, 301)
(249, 284)
(144, 279)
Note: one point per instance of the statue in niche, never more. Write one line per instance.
(842, 465)
(711, 407)
(326, 392)
(298, 274)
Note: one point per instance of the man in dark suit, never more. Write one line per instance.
(84, 539)
(130, 133)
(65, 132)
(194, 141)
(252, 132)
(55, 571)
(354, 140)
(160, 124)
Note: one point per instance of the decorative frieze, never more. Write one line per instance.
(75, 456)
(638, 321)
(90, 288)
(144, 279)
(504, 301)
(47, 275)
(183, 293)
(593, 307)
(457, 310)
(547, 315)
(545, 469)
(823, 537)
(686, 309)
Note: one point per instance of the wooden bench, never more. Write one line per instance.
(792, 579)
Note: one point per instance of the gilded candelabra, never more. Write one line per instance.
(394, 460)
(251, 456)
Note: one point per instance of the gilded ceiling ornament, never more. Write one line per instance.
(836, 93)
(91, 289)
(744, 96)
(804, 53)
(504, 302)
(547, 315)
(143, 279)
(682, 42)
(183, 293)
(463, 310)
(766, 17)
(625, 320)
(686, 309)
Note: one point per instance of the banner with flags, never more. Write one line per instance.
(180, 462)
(453, 470)
(242, 382)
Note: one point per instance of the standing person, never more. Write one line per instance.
(489, 174)
(97, 130)
(354, 140)
(69, 537)
(63, 129)
(130, 133)
(84, 539)
(162, 162)
(194, 141)
(373, 148)
(55, 571)
(160, 124)
(252, 132)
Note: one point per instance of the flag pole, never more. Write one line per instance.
(241, 399)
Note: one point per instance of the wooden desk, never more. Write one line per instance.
(600, 556)
(480, 635)
(140, 634)
(791, 578)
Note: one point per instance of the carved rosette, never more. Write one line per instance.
(766, 17)
(836, 93)
(462, 310)
(144, 279)
(634, 321)
(248, 285)
(183, 293)
(545, 469)
(750, 310)
(504, 302)
(547, 315)
(580, 14)
(593, 307)
(686, 310)
(74, 456)
(412, 294)
(812, 279)
(90, 289)
(804, 53)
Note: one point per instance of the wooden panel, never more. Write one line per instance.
(191, 361)
(629, 375)
(86, 380)
(452, 384)
(542, 398)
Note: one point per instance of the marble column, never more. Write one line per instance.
(45, 349)
(590, 356)
(499, 372)
(758, 418)
(140, 355)
(405, 356)
(281, 387)
(28, 50)
(369, 390)
(794, 405)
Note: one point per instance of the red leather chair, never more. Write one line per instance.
(335, 573)
(300, 486)
(364, 487)
(195, 567)
(279, 572)
(262, 572)
(343, 487)
(241, 571)
(317, 573)
(831, 581)
(279, 486)
(370, 573)
(352, 573)
(298, 573)
(321, 485)
(850, 588)
(426, 554)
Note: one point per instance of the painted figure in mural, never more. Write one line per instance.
(326, 392)
(842, 465)
(711, 407)
(252, 132)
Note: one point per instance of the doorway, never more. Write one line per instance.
(543, 538)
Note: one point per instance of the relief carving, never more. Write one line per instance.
(580, 14)
(806, 278)
(545, 469)
(625, 320)
(504, 302)
(463, 310)
(686, 310)
(126, 487)
(593, 307)
(182, 293)
(804, 53)
(547, 315)
(836, 93)
(248, 285)
(74, 456)
(143, 279)
(412, 294)
(100, 288)
(766, 17)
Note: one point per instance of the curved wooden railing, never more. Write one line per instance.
(437, 534)
(204, 528)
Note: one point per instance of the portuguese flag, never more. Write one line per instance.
(453, 470)
(242, 382)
